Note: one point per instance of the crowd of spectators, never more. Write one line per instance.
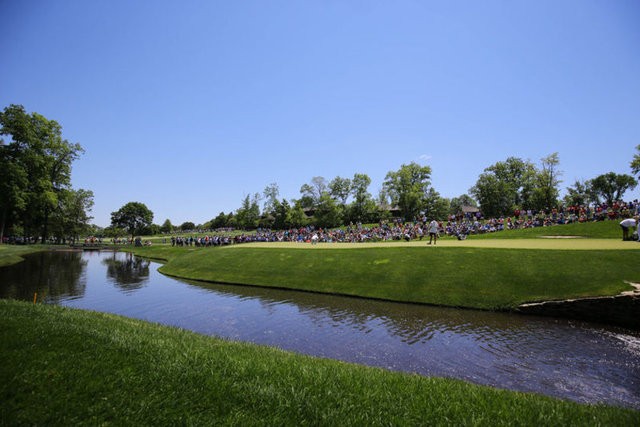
(460, 226)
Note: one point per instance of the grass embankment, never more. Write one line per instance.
(462, 276)
(66, 367)
(12, 254)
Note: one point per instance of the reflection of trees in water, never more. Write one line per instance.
(51, 274)
(130, 273)
(411, 322)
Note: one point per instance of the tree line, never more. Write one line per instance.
(37, 199)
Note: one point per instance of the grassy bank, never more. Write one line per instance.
(487, 278)
(12, 254)
(65, 367)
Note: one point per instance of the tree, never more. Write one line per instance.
(505, 186)
(408, 188)
(296, 216)
(270, 193)
(456, 204)
(71, 218)
(580, 194)
(339, 189)
(13, 189)
(545, 195)
(311, 193)
(248, 215)
(612, 186)
(635, 163)
(281, 215)
(221, 221)
(187, 226)
(328, 213)
(363, 208)
(36, 164)
(435, 206)
(133, 217)
(166, 226)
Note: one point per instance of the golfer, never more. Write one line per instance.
(433, 232)
(626, 224)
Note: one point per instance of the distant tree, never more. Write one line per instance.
(296, 216)
(436, 207)
(187, 226)
(456, 204)
(134, 217)
(635, 163)
(166, 226)
(281, 215)
(612, 186)
(545, 194)
(221, 221)
(270, 193)
(328, 213)
(71, 217)
(408, 188)
(505, 186)
(579, 194)
(248, 215)
(339, 189)
(363, 208)
(313, 191)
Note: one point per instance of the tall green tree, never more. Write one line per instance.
(612, 186)
(71, 218)
(39, 162)
(13, 189)
(270, 193)
(408, 187)
(339, 189)
(505, 186)
(327, 213)
(546, 192)
(248, 215)
(363, 208)
(134, 217)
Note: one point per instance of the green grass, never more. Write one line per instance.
(12, 254)
(63, 366)
(486, 278)
(594, 230)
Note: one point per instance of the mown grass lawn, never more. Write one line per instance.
(62, 366)
(460, 276)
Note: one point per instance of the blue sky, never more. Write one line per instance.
(188, 106)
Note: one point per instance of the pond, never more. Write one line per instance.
(579, 361)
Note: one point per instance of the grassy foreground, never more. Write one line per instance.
(460, 276)
(64, 366)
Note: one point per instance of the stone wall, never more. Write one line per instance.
(621, 310)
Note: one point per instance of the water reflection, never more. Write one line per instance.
(572, 360)
(130, 273)
(42, 275)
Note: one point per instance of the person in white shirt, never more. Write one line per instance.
(626, 224)
(433, 231)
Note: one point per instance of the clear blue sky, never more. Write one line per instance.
(188, 106)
